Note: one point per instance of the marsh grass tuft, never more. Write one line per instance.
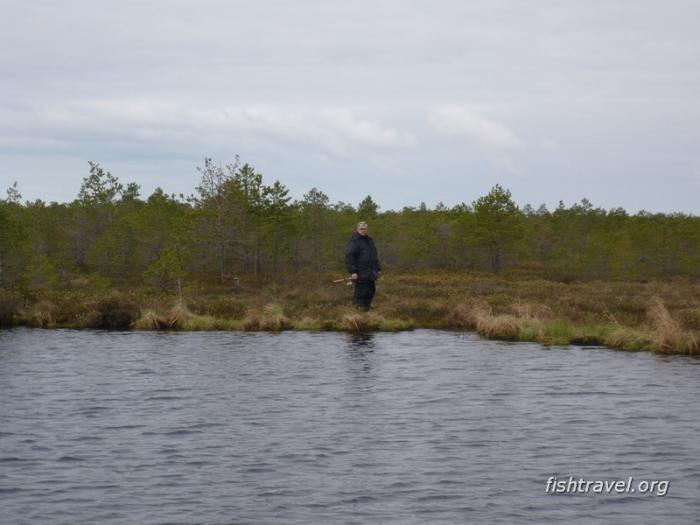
(532, 311)
(251, 321)
(273, 318)
(218, 307)
(307, 323)
(360, 322)
(503, 327)
(466, 315)
(559, 332)
(178, 315)
(150, 320)
(209, 322)
(43, 314)
(590, 335)
(661, 316)
(392, 324)
(667, 334)
(689, 318)
(623, 338)
(530, 330)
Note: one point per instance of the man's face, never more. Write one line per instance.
(362, 231)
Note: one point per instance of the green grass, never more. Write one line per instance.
(559, 332)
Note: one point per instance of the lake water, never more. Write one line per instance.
(416, 427)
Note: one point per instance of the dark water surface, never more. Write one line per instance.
(417, 427)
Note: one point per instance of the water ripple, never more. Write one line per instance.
(421, 427)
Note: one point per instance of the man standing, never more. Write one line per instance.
(362, 262)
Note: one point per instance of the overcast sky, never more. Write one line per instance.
(407, 101)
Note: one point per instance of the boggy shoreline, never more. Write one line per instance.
(659, 316)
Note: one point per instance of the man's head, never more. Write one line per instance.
(362, 228)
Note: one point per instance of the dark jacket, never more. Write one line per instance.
(361, 257)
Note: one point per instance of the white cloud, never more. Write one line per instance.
(363, 131)
(181, 123)
(146, 84)
(461, 120)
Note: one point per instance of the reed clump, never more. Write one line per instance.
(273, 318)
(466, 315)
(178, 315)
(689, 318)
(360, 322)
(251, 321)
(503, 327)
(623, 338)
(667, 335)
(150, 320)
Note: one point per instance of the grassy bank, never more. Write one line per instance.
(662, 316)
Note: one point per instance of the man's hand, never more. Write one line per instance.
(353, 276)
(379, 274)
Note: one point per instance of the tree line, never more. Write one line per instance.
(236, 225)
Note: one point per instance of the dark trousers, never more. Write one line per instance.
(364, 293)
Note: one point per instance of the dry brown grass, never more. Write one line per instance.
(307, 323)
(221, 307)
(504, 327)
(466, 315)
(251, 321)
(43, 314)
(689, 318)
(425, 312)
(150, 320)
(273, 318)
(178, 315)
(667, 335)
(623, 338)
(360, 322)
(655, 315)
(532, 311)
